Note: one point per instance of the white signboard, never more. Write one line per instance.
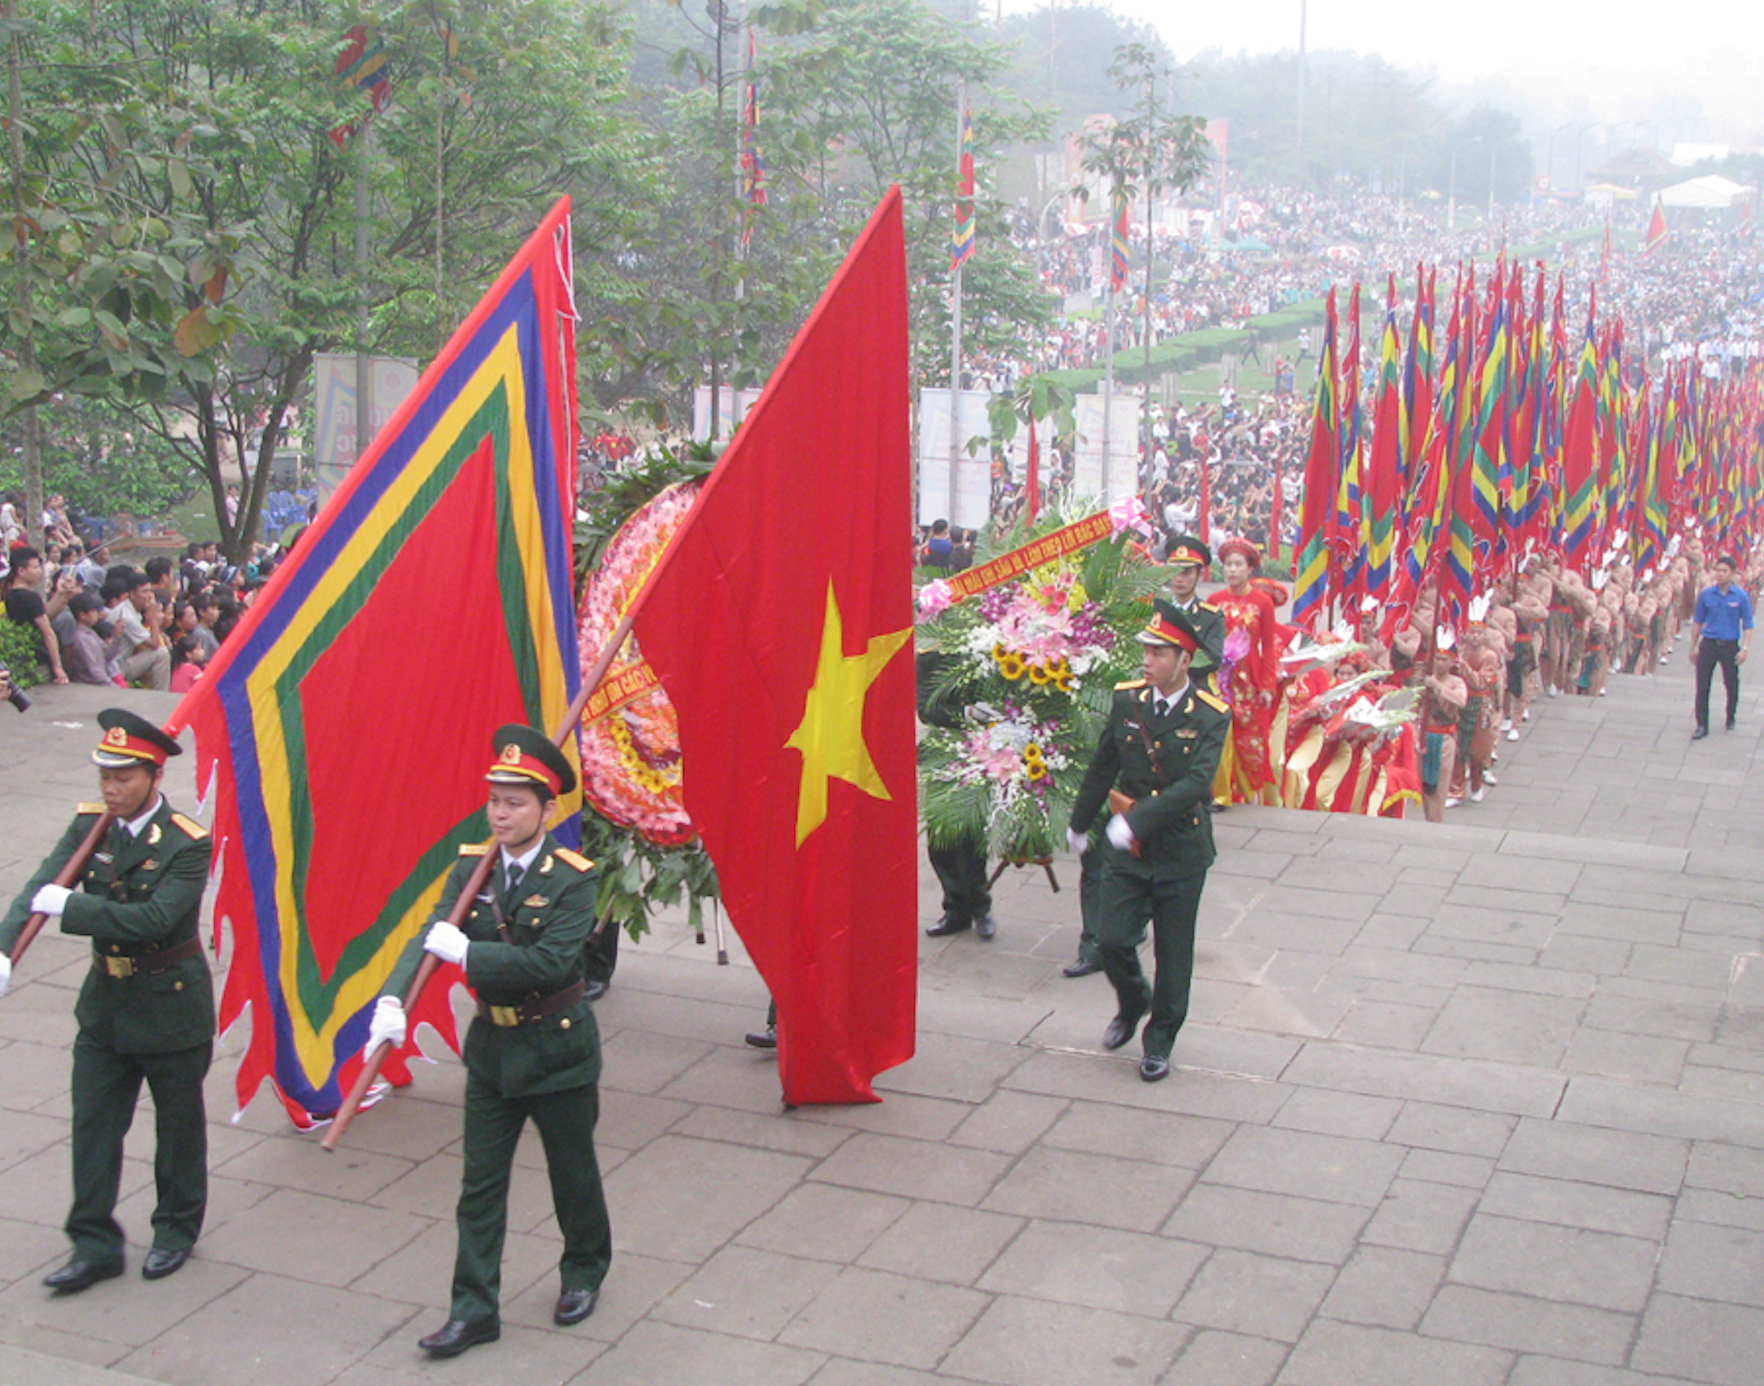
(1123, 459)
(973, 494)
(390, 379)
(1017, 454)
(732, 407)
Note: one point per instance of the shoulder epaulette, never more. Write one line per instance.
(1217, 704)
(1129, 683)
(575, 859)
(89, 808)
(474, 849)
(190, 826)
(1208, 606)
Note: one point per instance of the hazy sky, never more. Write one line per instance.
(1601, 49)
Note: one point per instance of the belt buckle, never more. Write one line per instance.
(119, 967)
(505, 1015)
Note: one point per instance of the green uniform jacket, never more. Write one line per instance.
(1169, 815)
(1209, 622)
(141, 894)
(549, 925)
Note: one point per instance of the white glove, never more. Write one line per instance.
(50, 899)
(1119, 833)
(1078, 842)
(5, 972)
(387, 1024)
(447, 942)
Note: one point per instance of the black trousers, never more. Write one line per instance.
(1131, 896)
(961, 870)
(1709, 654)
(492, 1130)
(105, 1087)
(600, 959)
(1089, 900)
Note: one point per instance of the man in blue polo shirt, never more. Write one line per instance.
(1721, 629)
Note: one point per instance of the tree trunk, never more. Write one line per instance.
(292, 377)
(32, 443)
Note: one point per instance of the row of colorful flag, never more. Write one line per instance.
(1505, 438)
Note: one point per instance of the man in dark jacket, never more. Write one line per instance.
(1154, 768)
(533, 1050)
(146, 1009)
(960, 865)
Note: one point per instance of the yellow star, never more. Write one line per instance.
(831, 733)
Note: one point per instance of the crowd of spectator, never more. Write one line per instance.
(1700, 297)
(155, 626)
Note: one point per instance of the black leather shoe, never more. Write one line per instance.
(1153, 1067)
(79, 1275)
(946, 926)
(1120, 1030)
(1084, 967)
(573, 1306)
(1699, 733)
(986, 926)
(764, 1039)
(162, 1262)
(595, 990)
(456, 1335)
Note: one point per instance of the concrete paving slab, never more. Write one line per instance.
(1466, 1103)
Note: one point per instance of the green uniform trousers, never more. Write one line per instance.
(105, 1088)
(492, 1130)
(1129, 896)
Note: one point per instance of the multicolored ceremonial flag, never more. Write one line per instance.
(1118, 246)
(1657, 232)
(1489, 454)
(753, 165)
(343, 730)
(361, 66)
(1383, 480)
(1311, 566)
(1580, 451)
(1348, 540)
(961, 241)
(787, 653)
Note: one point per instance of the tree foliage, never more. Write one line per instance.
(194, 220)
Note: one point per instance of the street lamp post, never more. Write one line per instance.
(1580, 135)
(1550, 158)
(1452, 182)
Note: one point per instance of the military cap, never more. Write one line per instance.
(1170, 625)
(130, 739)
(1185, 549)
(525, 756)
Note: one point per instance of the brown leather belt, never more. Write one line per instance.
(531, 1012)
(148, 964)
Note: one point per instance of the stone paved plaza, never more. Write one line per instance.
(1459, 1106)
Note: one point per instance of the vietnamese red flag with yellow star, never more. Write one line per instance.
(780, 621)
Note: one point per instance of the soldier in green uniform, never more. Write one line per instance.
(533, 1050)
(1154, 767)
(146, 1009)
(1188, 560)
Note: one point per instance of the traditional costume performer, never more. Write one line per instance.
(1251, 682)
